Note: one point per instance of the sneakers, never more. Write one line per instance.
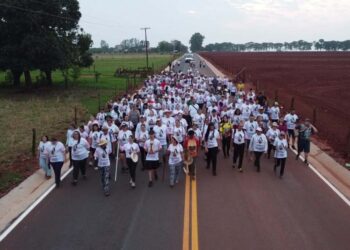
(306, 162)
(107, 193)
(233, 165)
(150, 184)
(240, 170)
(133, 185)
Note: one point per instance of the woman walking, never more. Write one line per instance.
(56, 153)
(176, 156)
(258, 146)
(43, 156)
(225, 130)
(281, 146)
(152, 147)
(130, 149)
(101, 156)
(80, 154)
(212, 141)
(141, 138)
(238, 146)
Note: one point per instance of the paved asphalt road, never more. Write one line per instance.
(246, 210)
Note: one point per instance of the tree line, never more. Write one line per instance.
(42, 35)
(134, 45)
(301, 45)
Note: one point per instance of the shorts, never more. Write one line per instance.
(303, 146)
(150, 165)
(291, 133)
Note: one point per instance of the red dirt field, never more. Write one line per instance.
(318, 81)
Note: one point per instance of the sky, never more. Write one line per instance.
(236, 21)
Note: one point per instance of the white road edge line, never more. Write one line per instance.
(329, 184)
(31, 207)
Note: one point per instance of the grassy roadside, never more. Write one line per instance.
(51, 110)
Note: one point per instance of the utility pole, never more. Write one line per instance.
(146, 44)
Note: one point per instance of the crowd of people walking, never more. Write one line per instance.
(165, 126)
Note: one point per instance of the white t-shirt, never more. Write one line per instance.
(102, 157)
(258, 143)
(272, 134)
(238, 136)
(80, 150)
(281, 148)
(275, 113)
(142, 137)
(156, 146)
(123, 137)
(212, 139)
(112, 129)
(291, 121)
(175, 153)
(169, 122)
(95, 137)
(56, 152)
(43, 149)
(110, 139)
(179, 133)
(130, 148)
(160, 133)
(250, 129)
(69, 137)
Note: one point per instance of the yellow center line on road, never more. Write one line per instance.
(186, 227)
(190, 235)
(194, 235)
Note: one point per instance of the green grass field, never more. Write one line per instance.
(51, 110)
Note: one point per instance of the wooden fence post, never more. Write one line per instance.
(348, 144)
(99, 101)
(292, 103)
(75, 115)
(276, 95)
(33, 142)
(314, 116)
(134, 81)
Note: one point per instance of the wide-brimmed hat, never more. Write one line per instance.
(102, 142)
(134, 157)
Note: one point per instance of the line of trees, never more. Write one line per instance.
(133, 45)
(301, 45)
(42, 36)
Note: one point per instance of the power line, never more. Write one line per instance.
(57, 16)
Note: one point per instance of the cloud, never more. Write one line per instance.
(191, 12)
(307, 10)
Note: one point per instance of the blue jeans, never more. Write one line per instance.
(45, 166)
(105, 172)
(174, 171)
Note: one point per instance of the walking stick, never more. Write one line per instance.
(164, 168)
(116, 164)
